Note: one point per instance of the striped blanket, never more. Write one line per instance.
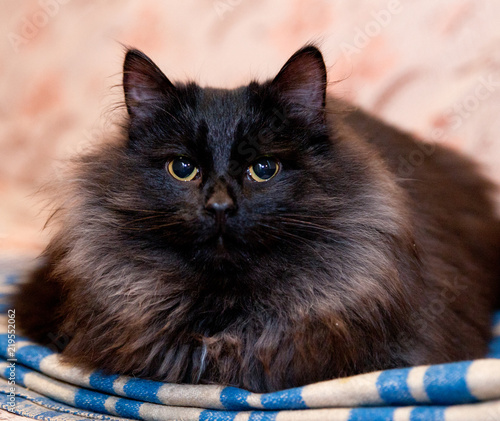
(34, 383)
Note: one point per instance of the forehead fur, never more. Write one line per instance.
(220, 111)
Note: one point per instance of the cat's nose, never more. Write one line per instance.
(220, 204)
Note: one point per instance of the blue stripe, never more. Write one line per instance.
(5, 399)
(494, 349)
(32, 355)
(286, 399)
(371, 414)
(128, 408)
(47, 415)
(446, 384)
(11, 279)
(235, 399)
(35, 402)
(393, 388)
(209, 415)
(18, 371)
(103, 382)
(496, 318)
(4, 344)
(143, 390)
(427, 413)
(86, 399)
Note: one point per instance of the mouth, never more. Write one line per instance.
(218, 244)
(221, 248)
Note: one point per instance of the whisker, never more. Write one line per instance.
(307, 216)
(133, 221)
(157, 227)
(290, 235)
(121, 209)
(303, 224)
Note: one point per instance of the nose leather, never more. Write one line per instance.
(220, 202)
(220, 205)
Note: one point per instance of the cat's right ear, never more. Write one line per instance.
(302, 83)
(144, 84)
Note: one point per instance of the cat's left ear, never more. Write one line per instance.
(144, 84)
(301, 82)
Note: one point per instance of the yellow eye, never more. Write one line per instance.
(263, 169)
(182, 169)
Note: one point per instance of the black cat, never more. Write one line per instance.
(264, 237)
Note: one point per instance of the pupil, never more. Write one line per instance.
(265, 168)
(182, 167)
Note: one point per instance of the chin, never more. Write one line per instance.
(221, 252)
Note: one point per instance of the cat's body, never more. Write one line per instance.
(365, 250)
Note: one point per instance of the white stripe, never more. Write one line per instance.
(119, 383)
(403, 414)
(152, 412)
(242, 416)
(22, 344)
(51, 388)
(415, 383)
(336, 414)
(3, 323)
(110, 403)
(351, 391)
(496, 329)
(254, 400)
(484, 411)
(15, 264)
(52, 366)
(8, 289)
(483, 379)
(189, 395)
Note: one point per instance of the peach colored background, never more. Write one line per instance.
(430, 67)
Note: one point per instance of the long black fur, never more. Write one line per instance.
(350, 259)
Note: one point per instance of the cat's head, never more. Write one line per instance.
(224, 175)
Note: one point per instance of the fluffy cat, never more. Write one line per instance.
(264, 237)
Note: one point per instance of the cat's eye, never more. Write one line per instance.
(263, 169)
(183, 169)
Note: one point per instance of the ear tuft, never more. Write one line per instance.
(144, 84)
(302, 81)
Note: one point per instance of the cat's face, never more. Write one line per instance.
(225, 174)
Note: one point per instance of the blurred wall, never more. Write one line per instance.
(429, 67)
